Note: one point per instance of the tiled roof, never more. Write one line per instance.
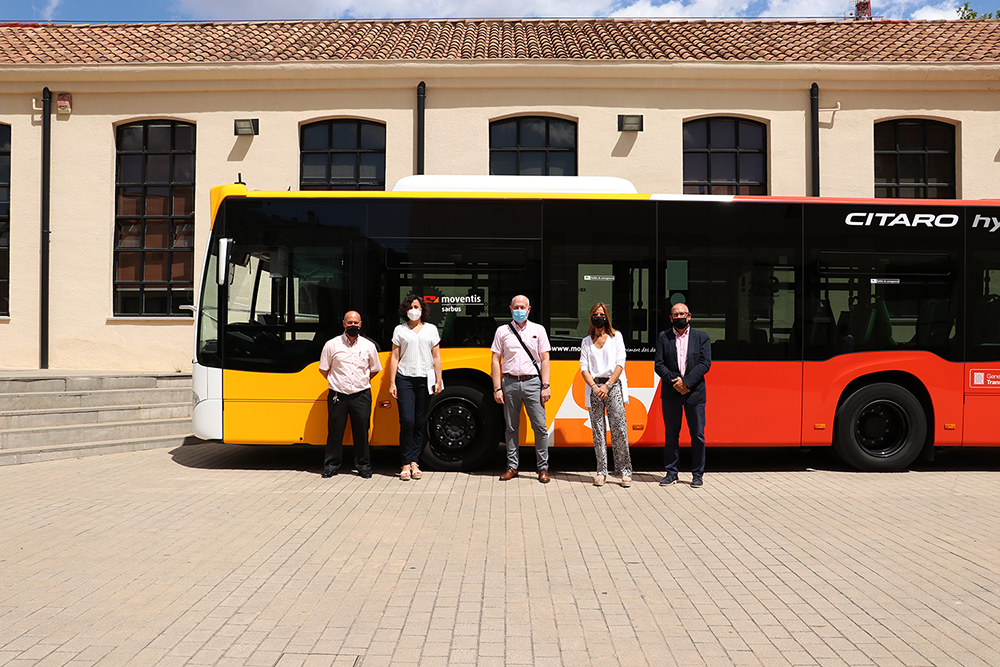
(585, 39)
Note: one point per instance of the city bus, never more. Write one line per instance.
(868, 325)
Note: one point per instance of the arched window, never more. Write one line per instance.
(154, 218)
(342, 155)
(4, 219)
(533, 146)
(915, 158)
(725, 156)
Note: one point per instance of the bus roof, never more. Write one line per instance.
(585, 185)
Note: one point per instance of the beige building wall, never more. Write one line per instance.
(462, 99)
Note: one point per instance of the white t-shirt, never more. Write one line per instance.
(415, 358)
(601, 363)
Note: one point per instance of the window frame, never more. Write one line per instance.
(735, 186)
(891, 189)
(172, 292)
(358, 151)
(517, 148)
(5, 151)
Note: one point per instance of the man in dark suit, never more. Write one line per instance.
(683, 356)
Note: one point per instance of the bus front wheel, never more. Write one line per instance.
(880, 428)
(463, 429)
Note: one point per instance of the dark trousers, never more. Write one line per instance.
(412, 399)
(695, 414)
(359, 407)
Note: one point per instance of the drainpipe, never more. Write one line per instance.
(43, 316)
(814, 131)
(421, 106)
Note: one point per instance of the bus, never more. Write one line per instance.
(868, 325)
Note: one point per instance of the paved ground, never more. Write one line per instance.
(215, 555)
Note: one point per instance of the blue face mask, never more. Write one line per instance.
(520, 316)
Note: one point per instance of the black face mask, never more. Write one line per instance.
(599, 322)
(679, 323)
(353, 331)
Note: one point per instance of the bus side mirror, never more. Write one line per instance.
(225, 250)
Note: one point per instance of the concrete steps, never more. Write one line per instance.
(46, 416)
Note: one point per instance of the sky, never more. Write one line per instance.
(135, 11)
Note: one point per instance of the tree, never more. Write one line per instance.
(966, 12)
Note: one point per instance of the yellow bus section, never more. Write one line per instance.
(290, 408)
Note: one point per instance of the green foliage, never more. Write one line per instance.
(966, 12)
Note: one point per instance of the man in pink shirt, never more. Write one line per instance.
(520, 371)
(349, 362)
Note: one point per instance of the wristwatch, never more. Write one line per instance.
(545, 385)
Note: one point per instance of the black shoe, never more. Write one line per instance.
(697, 481)
(367, 474)
(329, 472)
(671, 478)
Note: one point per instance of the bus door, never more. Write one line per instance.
(736, 266)
(287, 287)
(982, 368)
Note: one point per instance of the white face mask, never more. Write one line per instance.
(414, 314)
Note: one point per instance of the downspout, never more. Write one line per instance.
(43, 316)
(814, 131)
(421, 106)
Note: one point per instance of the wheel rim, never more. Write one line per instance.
(453, 425)
(882, 428)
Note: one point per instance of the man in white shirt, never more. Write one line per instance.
(521, 376)
(349, 362)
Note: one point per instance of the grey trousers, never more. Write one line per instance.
(529, 393)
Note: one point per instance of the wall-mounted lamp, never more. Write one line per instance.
(630, 122)
(246, 126)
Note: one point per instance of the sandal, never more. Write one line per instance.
(415, 471)
(599, 480)
(626, 482)
(404, 474)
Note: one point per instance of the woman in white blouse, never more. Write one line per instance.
(416, 352)
(602, 364)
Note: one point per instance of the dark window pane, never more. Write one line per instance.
(314, 167)
(696, 189)
(128, 301)
(503, 134)
(723, 134)
(751, 136)
(128, 265)
(940, 137)
(885, 137)
(157, 168)
(183, 201)
(130, 169)
(131, 138)
(316, 137)
(157, 233)
(129, 234)
(885, 168)
(723, 167)
(154, 301)
(939, 168)
(941, 192)
(155, 266)
(183, 137)
(184, 168)
(344, 135)
(5, 169)
(562, 134)
(756, 190)
(158, 137)
(180, 298)
(696, 166)
(751, 167)
(532, 164)
(373, 136)
(696, 134)
(911, 169)
(183, 235)
(884, 192)
(909, 193)
(562, 164)
(910, 136)
(723, 190)
(372, 167)
(503, 164)
(182, 266)
(158, 201)
(532, 133)
(342, 166)
(130, 201)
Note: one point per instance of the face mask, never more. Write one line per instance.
(414, 314)
(679, 323)
(353, 331)
(599, 322)
(520, 316)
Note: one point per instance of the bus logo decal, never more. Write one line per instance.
(430, 299)
(984, 378)
(987, 221)
(866, 219)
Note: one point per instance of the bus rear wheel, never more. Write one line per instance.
(880, 428)
(463, 429)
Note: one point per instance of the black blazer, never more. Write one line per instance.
(699, 359)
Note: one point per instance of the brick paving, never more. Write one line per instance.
(232, 556)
